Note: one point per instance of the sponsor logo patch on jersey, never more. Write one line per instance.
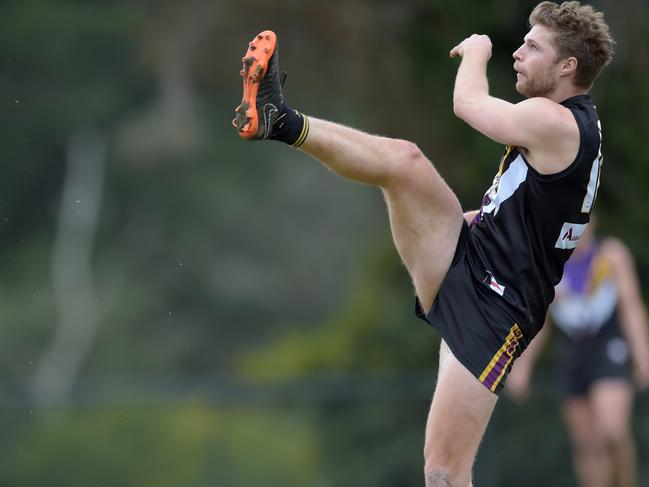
(496, 286)
(493, 284)
(569, 235)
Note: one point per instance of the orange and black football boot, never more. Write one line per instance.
(262, 102)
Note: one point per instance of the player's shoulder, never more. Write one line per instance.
(547, 112)
(539, 103)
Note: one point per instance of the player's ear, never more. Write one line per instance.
(568, 66)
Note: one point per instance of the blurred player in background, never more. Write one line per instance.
(600, 324)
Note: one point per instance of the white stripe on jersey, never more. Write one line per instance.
(506, 185)
(593, 181)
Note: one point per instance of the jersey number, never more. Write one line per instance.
(593, 181)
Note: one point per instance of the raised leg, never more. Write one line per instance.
(425, 215)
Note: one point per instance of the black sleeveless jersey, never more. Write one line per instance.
(529, 223)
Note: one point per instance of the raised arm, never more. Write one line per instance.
(545, 129)
(633, 314)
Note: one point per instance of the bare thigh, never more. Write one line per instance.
(457, 420)
(425, 215)
(425, 219)
(612, 401)
(579, 418)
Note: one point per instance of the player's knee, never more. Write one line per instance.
(439, 472)
(407, 159)
(406, 149)
(409, 154)
(437, 477)
(617, 436)
(589, 447)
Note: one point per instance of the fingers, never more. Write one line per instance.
(475, 40)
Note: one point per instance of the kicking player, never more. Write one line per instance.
(483, 279)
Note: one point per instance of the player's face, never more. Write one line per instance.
(536, 64)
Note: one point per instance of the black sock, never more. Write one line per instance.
(291, 127)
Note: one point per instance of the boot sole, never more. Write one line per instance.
(255, 65)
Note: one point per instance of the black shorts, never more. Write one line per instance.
(580, 363)
(479, 330)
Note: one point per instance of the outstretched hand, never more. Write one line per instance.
(477, 43)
